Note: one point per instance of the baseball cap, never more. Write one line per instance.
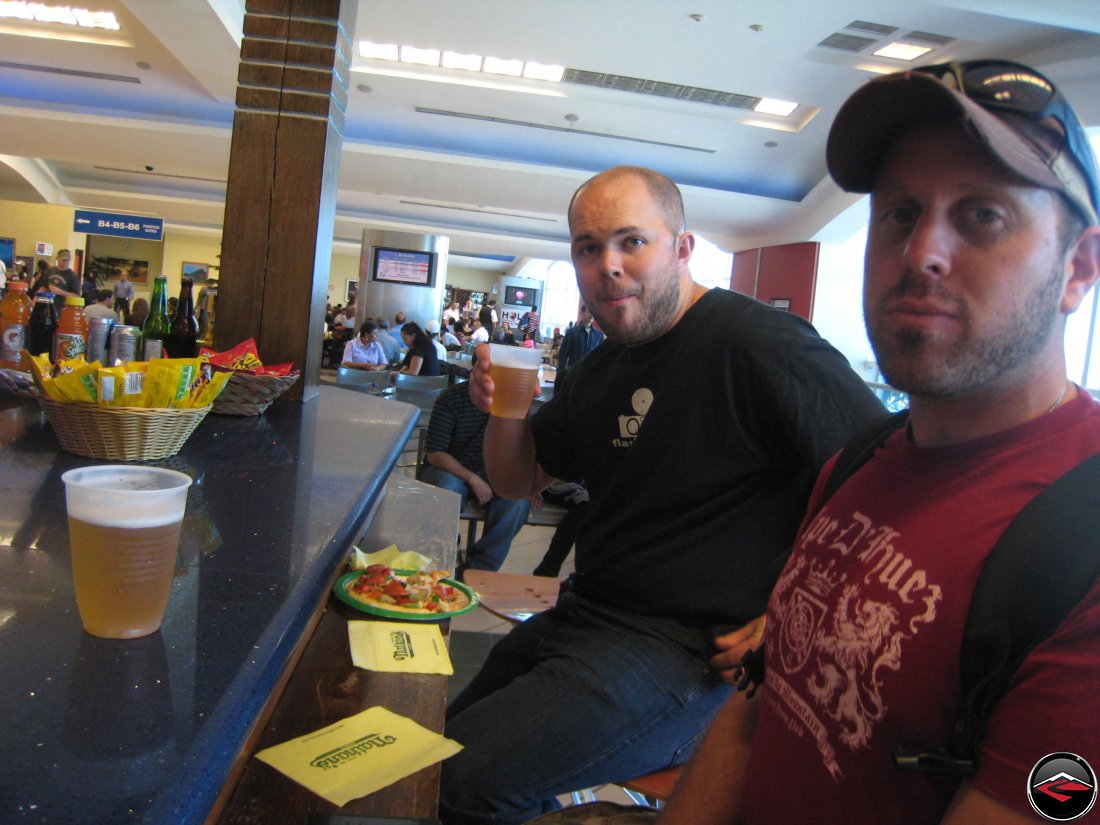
(432, 327)
(64, 255)
(1010, 108)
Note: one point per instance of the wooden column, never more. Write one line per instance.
(283, 167)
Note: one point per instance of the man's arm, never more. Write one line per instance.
(448, 463)
(509, 445)
(710, 788)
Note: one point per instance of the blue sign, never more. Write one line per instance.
(124, 226)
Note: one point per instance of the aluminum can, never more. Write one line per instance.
(99, 339)
(125, 345)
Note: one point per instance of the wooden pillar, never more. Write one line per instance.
(283, 167)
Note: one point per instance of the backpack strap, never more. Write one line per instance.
(1041, 568)
(862, 445)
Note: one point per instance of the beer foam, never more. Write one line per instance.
(130, 497)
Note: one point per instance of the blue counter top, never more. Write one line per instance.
(147, 730)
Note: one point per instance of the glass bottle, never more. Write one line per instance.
(206, 315)
(43, 324)
(15, 317)
(70, 339)
(157, 326)
(183, 340)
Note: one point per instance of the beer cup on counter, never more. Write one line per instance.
(124, 530)
(515, 374)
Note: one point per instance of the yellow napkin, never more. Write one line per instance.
(391, 557)
(395, 647)
(359, 755)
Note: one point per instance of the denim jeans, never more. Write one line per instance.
(503, 519)
(572, 698)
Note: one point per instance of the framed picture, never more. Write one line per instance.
(196, 272)
(351, 292)
(137, 270)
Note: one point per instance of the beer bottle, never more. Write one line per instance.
(183, 340)
(70, 339)
(157, 326)
(43, 324)
(15, 316)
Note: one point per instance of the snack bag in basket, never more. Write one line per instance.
(79, 383)
(167, 381)
(123, 385)
(210, 380)
(244, 356)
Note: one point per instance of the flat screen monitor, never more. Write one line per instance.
(7, 252)
(521, 296)
(403, 266)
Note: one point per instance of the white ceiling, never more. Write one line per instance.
(501, 187)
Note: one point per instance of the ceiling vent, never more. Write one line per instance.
(657, 88)
(847, 42)
(928, 38)
(567, 129)
(877, 29)
(118, 78)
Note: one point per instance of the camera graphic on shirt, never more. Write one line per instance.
(630, 425)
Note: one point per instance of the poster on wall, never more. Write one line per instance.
(196, 272)
(114, 267)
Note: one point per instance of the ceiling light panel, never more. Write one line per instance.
(902, 51)
(419, 57)
(66, 15)
(379, 51)
(498, 65)
(771, 106)
(543, 71)
(466, 62)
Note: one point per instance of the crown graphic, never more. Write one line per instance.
(823, 580)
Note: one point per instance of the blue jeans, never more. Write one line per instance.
(572, 698)
(503, 519)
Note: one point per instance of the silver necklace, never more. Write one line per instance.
(1061, 398)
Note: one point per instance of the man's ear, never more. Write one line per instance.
(685, 244)
(1083, 269)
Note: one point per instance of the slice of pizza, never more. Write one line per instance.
(406, 592)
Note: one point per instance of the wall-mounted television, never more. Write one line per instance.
(403, 266)
(7, 252)
(521, 296)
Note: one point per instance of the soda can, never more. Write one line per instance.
(154, 348)
(99, 339)
(125, 345)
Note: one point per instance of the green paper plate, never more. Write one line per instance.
(340, 590)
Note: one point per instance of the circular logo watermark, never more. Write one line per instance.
(1062, 787)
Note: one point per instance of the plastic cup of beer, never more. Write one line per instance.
(124, 532)
(515, 374)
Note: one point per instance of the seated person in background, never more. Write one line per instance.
(450, 341)
(421, 358)
(364, 352)
(455, 462)
(389, 344)
(431, 329)
(102, 308)
(983, 238)
(480, 335)
(698, 429)
(529, 339)
(139, 311)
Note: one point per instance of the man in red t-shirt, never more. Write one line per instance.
(983, 238)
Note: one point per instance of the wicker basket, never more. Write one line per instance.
(246, 394)
(120, 433)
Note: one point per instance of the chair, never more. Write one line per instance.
(372, 382)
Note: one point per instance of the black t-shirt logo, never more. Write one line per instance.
(1062, 787)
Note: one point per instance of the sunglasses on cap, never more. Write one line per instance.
(1004, 86)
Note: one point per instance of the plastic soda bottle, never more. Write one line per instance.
(71, 338)
(15, 318)
(157, 326)
(43, 324)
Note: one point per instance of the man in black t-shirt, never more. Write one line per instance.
(61, 279)
(698, 427)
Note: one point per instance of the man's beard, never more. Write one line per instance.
(914, 361)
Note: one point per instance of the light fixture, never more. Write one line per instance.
(542, 71)
(466, 62)
(902, 51)
(499, 65)
(771, 106)
(379, 51)
(421, 57)
(42, 13)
